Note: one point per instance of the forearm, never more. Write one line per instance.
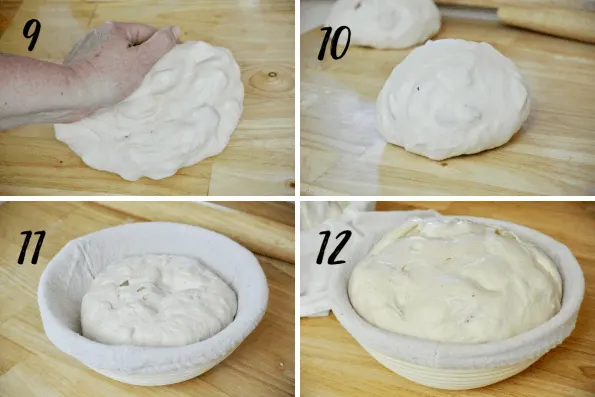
(34, 91)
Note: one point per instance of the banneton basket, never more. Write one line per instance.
(458, 366)
(69, 274)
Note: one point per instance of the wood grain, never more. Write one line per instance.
(259, 160)
(333, 364)
(577, 25)
(31, 366)
(587, 5)
(260, 235)
(279, 211)
(553, 154)
(8, 9)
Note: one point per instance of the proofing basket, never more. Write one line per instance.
(457, 366)
(69, 274)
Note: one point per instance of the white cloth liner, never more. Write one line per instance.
(68, 275)
(413, 350)
(367, 228)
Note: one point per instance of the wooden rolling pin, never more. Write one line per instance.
(261, 236)
(584, 5)
(577, 25)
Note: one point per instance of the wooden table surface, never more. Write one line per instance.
(333, 364)
(553, 154)
(582, 5)
(31, 366)
(259, 160)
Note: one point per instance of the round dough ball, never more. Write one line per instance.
(385, 23)
(185, 110)
(452, 97)
(455, 281)
(156, 300)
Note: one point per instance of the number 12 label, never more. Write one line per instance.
(332, 259)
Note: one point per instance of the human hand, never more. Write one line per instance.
(110, 62)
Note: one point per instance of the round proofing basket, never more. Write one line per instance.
(458, 366)
(160, 378)
(69, 274)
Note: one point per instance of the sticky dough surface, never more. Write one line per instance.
(452, 97)
(156, 300)
(186, 109)
(455, 281)
(385, 23)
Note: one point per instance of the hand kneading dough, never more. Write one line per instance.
(185, 111)
(385, 23)
(452, 97)
(156, 300)
(455, 281)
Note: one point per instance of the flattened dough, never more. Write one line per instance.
(186, 109)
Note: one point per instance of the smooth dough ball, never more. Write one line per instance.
(452, 97)
(455, 281)
(185, 110)
(156, 300)
(385, 23)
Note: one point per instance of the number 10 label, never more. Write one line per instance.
(334, 42)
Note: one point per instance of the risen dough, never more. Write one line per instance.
(452, 97)
(185, 111)
(156, 300)
(455, 281)
(385, 23)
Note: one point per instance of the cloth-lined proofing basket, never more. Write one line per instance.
(68, 276)
(457, 366)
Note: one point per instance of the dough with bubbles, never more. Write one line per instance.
(452, 97)
(156, 300)
(385, 23)
(455, 281)
(185, 110)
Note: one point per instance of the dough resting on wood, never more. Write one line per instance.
(385, 23)
(452, 97)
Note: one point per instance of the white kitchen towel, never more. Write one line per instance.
(367, 227)
(314, 213)
(67, 277)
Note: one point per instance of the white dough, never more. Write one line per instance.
(186, 109)
(455, 281)
(385, 23)
(156, 300)
(452, 97)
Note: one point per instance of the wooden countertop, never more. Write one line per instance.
(553, 154)
(259, 160)
(333, 364)
(31, 366)
(582, 5)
